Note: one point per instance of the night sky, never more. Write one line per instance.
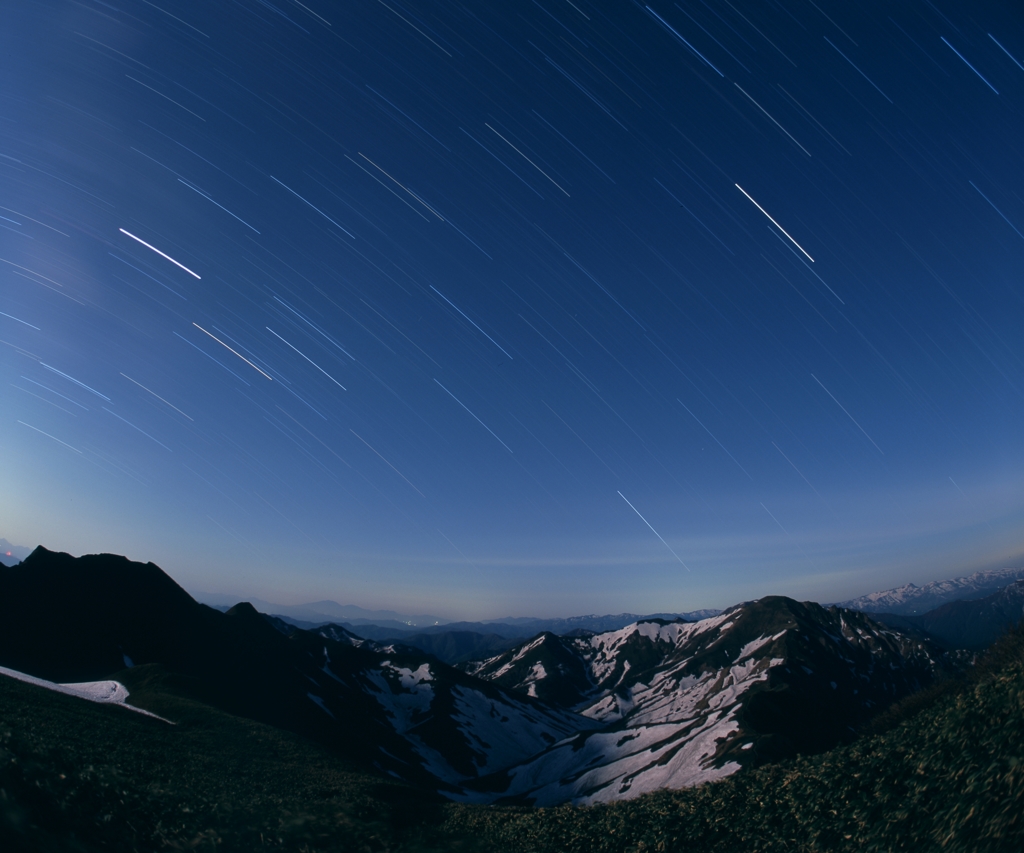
(519, 308)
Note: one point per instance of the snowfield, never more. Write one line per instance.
(664, 733)
(666, 697)
(491, 732)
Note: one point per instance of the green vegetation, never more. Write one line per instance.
(944, 773)
(76, 776)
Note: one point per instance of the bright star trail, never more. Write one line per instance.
(655, 532)
(303, 284)
(161, 254)
(776, 224)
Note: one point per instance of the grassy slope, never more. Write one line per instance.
(950, 777)
(79, 776)
(76, 776)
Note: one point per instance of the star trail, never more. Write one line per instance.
(439, 283)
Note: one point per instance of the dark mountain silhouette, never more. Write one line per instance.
(70, 619)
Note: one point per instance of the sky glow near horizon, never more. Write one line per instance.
(531, 308)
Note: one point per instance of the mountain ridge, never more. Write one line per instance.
(684, 703)
(313, 614)
(972, 624)
(585, 717)
(911, 599)
(321, 612)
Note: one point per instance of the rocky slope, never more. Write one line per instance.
(683, 703)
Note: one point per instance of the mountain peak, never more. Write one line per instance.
(243, 608)
(681, 703)
(85, 601)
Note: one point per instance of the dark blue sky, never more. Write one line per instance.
(515, 308)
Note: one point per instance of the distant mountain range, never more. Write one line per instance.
(385, 624)
(455, 642)
(911, 599)
(585, 718)
(11, 554)
(962, 613)
(968, 624)
(451, 647)
(322, 612)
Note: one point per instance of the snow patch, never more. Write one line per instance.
(405, 694)
(103, 692)
(754, 645)
(530, 682)
(622, 765)
(662, 633)
(411, 679)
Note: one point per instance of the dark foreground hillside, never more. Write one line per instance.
(75, 776)
(78, 776)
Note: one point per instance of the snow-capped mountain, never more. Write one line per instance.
(589, 717)
(971, 624)
(912, 599)
(683, 703)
